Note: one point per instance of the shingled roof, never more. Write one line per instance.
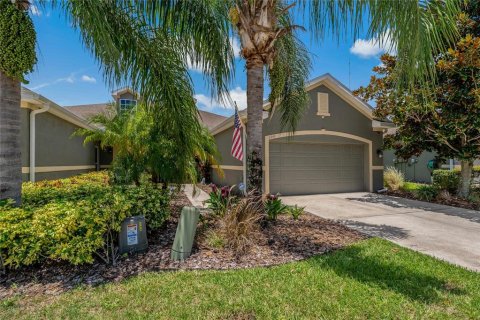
(86, 111)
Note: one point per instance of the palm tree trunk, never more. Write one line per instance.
(255, 83)
(10, 152)
(465, 178)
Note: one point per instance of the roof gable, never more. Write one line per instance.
(326, 80)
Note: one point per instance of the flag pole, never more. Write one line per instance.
(244, 146)
(244, 158)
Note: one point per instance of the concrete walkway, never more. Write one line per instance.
(445, 232)
(196, 196)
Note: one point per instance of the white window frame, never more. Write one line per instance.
(126, 104)
(322, 101)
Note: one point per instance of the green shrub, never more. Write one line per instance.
(147, 200)
(296, 211)
(393, 178)
(75, 219)
(70, 189)
(446, 180)
(426, 192)
(274, 206)
(411, 186)
(71, 231)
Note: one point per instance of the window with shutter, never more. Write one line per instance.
(323, 109)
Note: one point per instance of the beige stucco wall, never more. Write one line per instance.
(55, 147)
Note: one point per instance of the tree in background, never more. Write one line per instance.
(444, 119)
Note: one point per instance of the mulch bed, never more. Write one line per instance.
(452, 200)
(282, 241)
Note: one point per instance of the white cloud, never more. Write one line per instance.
(373, 47)
(234, 42)
(69, 79)
(35, 11)
(238, 95)
(86, 78)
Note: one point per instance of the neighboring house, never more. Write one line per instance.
(415, 168)
(49, 151)
(126, 99)
(336, 147)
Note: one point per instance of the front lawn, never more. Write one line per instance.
(371, 279)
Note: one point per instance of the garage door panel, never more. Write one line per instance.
(297, 168)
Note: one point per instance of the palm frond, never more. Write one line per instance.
(202, 27)
(290, 69)
(418, 30)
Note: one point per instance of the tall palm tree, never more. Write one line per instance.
(15, 60)
(418, 30)
(145, 44)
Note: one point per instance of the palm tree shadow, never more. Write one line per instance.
(352, 262)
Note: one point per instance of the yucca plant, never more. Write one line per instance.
(296, 211)
(274, 206)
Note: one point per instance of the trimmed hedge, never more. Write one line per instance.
(75, 219)
(446, 180)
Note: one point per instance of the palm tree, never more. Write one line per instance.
(150, 140)
(418, 29)
(145, 44)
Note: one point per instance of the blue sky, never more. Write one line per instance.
(68, 74)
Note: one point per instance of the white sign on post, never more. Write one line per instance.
(132, 234)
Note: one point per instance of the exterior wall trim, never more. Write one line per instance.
(226, 167)
(58, 168)
(315, 132)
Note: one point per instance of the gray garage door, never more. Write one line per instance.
(298, 168)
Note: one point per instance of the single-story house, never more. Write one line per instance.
(336, 147)
(49, 151)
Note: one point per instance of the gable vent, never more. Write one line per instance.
(323, 108)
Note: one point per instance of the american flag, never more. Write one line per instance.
(237, 149)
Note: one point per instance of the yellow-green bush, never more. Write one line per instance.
(74, 219)
(446, 180)
(393, 178)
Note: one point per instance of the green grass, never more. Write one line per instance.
(373, 279)
(412, 186)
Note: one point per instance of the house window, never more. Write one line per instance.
(323, 108)
(127, 104)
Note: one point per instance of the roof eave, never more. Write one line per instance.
(33, 99)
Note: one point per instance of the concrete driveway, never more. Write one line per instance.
(445, 232)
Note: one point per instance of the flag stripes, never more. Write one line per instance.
(237, 148)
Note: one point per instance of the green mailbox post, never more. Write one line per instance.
(186, 229)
